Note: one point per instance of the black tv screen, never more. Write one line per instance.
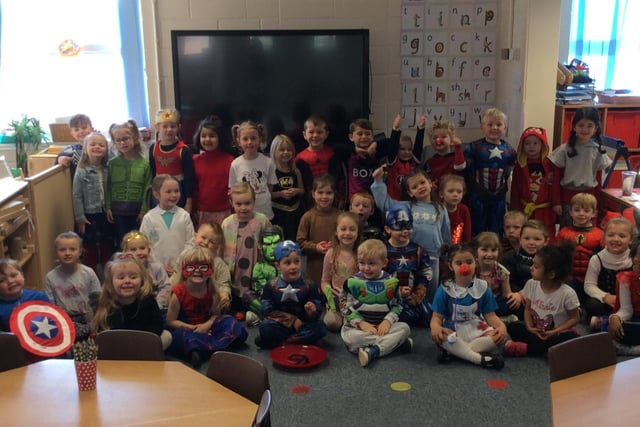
(274, 77)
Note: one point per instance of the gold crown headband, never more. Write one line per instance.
(168, 115)
(133, 236)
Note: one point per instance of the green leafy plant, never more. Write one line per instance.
(27, 130)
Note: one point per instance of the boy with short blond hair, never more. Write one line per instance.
(73, 286)
(513, 222)
(489, 162)
(586, 236)
(371, 328)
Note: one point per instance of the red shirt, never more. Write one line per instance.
(212, 181)
(318, 161)
(460, 221)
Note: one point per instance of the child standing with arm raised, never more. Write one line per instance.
(128, 181)
(211, 166)
(170, 155)
(579, 163)
(401, 158)
(252, 166)
(431, 228)
(443, 160)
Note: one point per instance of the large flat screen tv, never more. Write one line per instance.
(274, 77)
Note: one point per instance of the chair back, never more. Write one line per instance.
(239, 373)
(12, 354)
(125, 344)
(580, 355)
(262, 414)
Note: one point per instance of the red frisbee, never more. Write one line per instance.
(298, 356)
(42, 328)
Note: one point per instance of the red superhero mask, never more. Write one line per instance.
(189, 268)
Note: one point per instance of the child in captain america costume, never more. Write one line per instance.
(410, 264)
(291, 306)
(489, 164)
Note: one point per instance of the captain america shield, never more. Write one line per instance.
(42, 328)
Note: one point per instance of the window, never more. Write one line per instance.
(605, 35)
(71, 56)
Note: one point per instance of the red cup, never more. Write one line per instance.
(86, 373)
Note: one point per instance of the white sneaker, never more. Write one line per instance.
(252, 319)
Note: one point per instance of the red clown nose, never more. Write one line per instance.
(464, 270)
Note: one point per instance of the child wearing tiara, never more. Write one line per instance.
(170, 155)
(252, 166)
(139, 245)
(198, 327)
(210, 197)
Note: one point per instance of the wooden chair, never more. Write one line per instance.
(580, 355)
(124, 344)
(12, 355)
(262, 414)
(242, 374)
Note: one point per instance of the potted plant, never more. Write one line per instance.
(27, 130)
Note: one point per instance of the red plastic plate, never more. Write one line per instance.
(298, 356)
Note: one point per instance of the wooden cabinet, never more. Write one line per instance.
(17, 234)
(33, 212)
(618, 120)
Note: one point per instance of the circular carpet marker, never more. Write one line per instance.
(499, 384)
(400, 386)
(300, 389)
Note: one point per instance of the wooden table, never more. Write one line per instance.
(613, 200)
(128, 393)
(606, 396)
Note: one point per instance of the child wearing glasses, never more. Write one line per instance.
(197, 327)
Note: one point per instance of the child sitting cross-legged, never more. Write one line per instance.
(372, 328)
(291, 305)
(198, 328)
(464, 322)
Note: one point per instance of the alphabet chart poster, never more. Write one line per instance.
(449, 53)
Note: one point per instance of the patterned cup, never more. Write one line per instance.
(86, 373)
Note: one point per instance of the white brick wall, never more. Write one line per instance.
(381, 17)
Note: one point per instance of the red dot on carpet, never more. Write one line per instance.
(497, 384)
(300, 389)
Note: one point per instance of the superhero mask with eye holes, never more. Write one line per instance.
(203, 269)
(268, 245)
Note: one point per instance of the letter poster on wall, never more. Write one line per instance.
(449, 52)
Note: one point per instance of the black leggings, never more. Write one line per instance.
(536, 346)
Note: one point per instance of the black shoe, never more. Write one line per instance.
(260, 342)
(492, 361)
(196, 358)
(406, 346)
(443, 355)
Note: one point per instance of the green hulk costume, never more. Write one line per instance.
(264, 270)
